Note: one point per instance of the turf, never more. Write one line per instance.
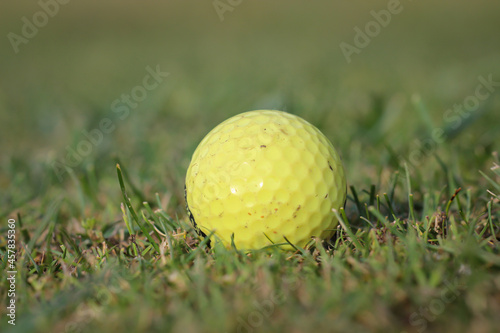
(105, 243)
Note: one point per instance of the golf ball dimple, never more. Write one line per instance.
(264, 176)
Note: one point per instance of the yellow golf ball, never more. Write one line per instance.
(264, 176)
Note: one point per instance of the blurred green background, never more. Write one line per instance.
(280, 54)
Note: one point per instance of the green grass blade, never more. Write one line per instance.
(132, 211)
(491, 181)
(347, 228)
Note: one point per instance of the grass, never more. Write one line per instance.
(112, 248)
